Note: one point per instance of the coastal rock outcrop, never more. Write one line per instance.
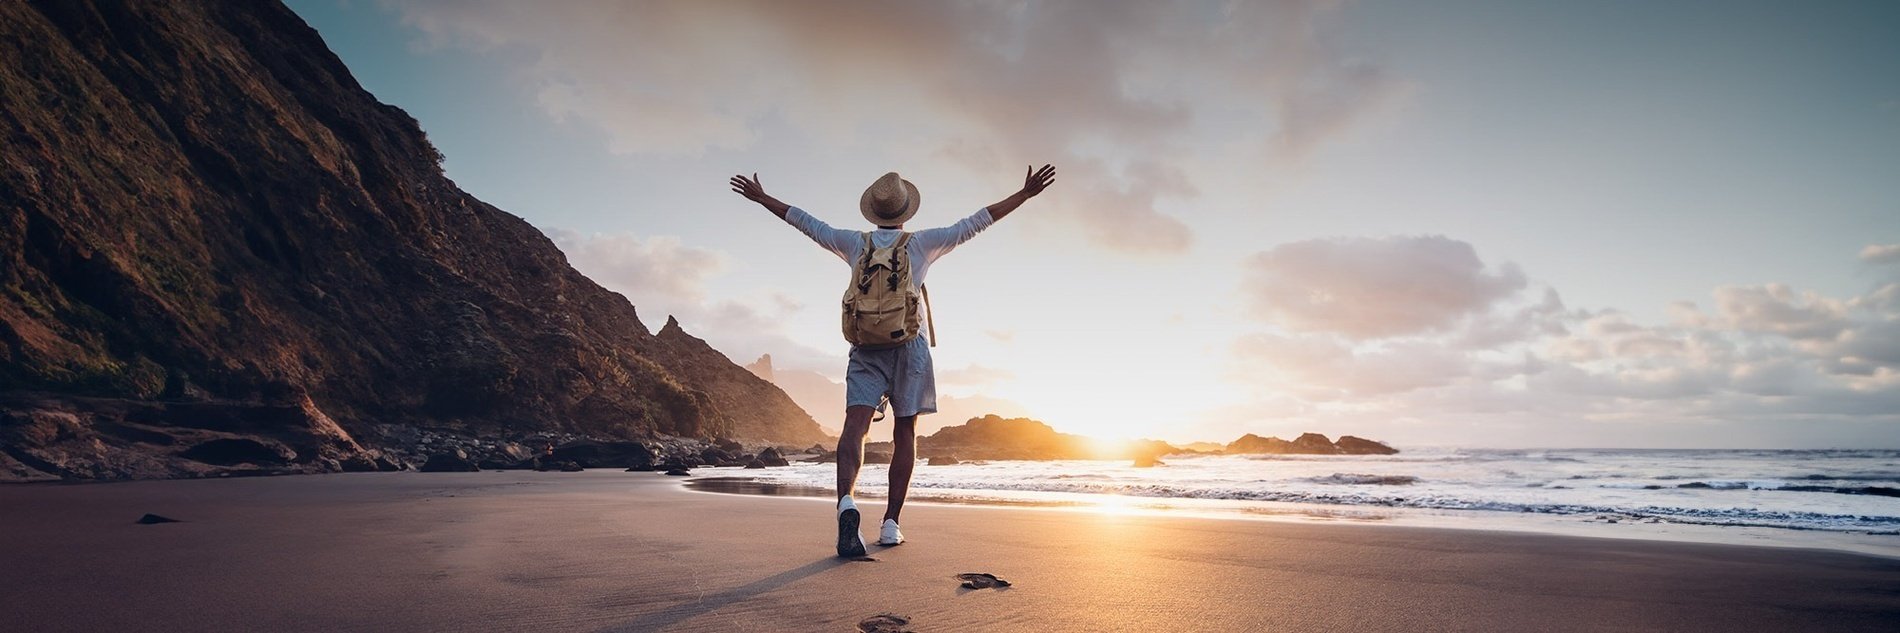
(1307, 444)
(1251, 443)
(212, 235)
(1350, 445)
(994, 437)
(1313, 444)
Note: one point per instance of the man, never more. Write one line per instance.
(899, 372)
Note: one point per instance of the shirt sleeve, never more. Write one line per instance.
(936, 242)
(841, 242)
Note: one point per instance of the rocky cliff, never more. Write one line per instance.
(209, 231)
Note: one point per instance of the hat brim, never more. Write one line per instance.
(864, 207)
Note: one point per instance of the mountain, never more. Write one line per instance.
(215, 244)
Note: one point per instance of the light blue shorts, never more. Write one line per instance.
(901, 373)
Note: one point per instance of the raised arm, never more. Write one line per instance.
(840, 242)
(1034, 181)
(752, 190)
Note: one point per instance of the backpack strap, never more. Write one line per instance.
(898, 251)
(900, 258)
(929, 320)
(864, 264)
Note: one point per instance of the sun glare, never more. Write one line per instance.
(1117, 505)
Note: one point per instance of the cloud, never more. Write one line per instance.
(1372, 288)
(1778, 309)
(656, 268)
(975, 376)
(1762, 355)
(1881, 254)
(662, 276)
(1323, 368)
(1121, 94)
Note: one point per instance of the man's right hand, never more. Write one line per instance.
(752, 190)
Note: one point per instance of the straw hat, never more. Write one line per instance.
(890, 201)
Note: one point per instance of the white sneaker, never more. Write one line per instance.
(889, 534)
(850, 543)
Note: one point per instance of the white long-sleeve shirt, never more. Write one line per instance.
(925, 246)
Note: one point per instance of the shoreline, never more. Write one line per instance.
(614, 551)
(1587, 525)
(1874, 545)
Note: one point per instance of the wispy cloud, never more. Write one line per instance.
(1371, 288)
(663, 277)
(1881, 254)
(1123, 94)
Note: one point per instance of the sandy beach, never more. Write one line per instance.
(612, 551)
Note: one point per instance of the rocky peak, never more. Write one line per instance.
(763, 368)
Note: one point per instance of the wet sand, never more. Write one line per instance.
(612, 551)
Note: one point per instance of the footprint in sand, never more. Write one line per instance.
(981, 581)
(885, 623)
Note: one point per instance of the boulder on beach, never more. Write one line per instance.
(454, 461)
(771, 457)
(755, 463)
(944, 460)
(604, 454)
(876, 457)
(714, 455)
(1147, 461)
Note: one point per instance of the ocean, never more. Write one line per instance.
(1836, 499)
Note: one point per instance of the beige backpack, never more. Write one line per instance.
(881, 307)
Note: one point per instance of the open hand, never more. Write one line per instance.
(749, 187)
(752, 190)
(1035, 180)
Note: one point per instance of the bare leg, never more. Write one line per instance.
(857, 422)
(903, 461)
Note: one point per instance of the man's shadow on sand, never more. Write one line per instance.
(679, 613)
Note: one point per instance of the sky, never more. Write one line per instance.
(1508, 224)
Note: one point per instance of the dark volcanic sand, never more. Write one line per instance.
(634, 552)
